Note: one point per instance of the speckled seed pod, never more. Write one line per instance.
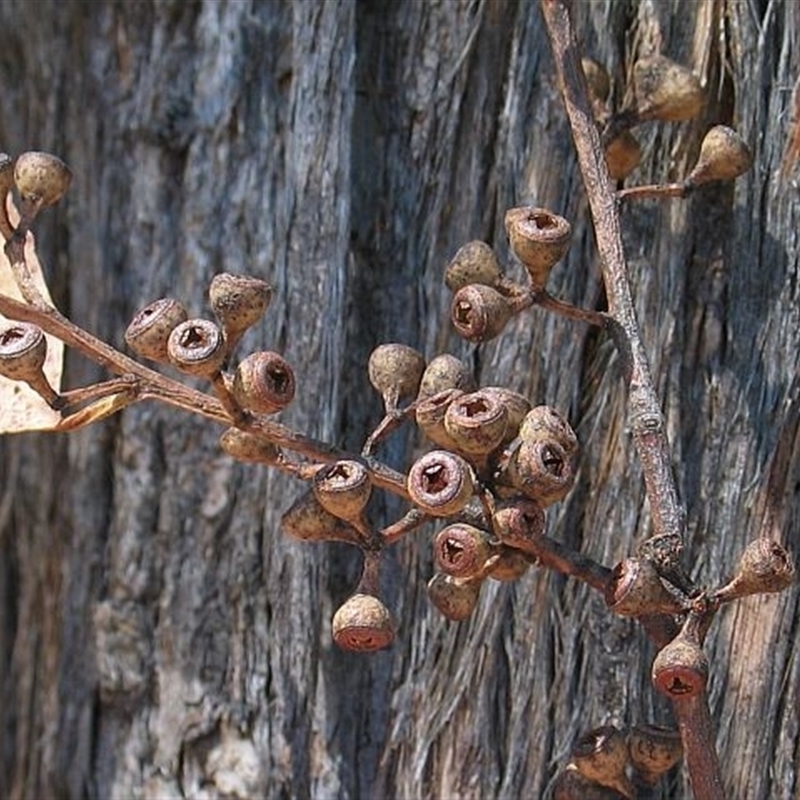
(363, 624)
(511, 565)
(539, 239)
(440, 483)
(723, 157)
(545, 422)
(23, 349)
(445, 372)
(430, 413)
(148, 333)
(666, 91)
(654, 751)
(479, 313)
(461, 550)
(636, 590)
(264, 383)
(245, 446)
(476, 422)
(542, 470)
(519, 524)
(623, 155)
(765, 567)
(455, 598)
(681, 668)
(517, 407)
(239, 302)
(395, 370)
(475, 262)
(41, 178)
(571, 785)
(306, 519)
(196, 347)
(601, 756)
(343, 488)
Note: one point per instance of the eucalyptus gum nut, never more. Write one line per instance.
(474, 262)
(429, 416)
(511, 565)
(23, 349)
(623, 155)
(149, 331)
(363, 624)
(479, 313)
(542, 470)
(197, 347)
(517, 407)
(476, 422)
(666, 91)
(546, 422)
(601, 756)
(653, 751)
(245, 446)
(41, 178)
(680, 669)
(238, 301)
(765, 567)
(539, 239)
(461, 550)
(445, 372)
(343, 488)
(306, 519)
(395, 371)
(723, 157)
(519, 523)
(636, 590)
(440, 483)
(455, 598)
(264, 383)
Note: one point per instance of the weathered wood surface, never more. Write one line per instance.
(159, 637)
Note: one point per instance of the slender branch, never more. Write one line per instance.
(647, 421)
(654, 191)
(156, 386)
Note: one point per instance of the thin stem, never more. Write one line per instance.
(550, 303)
(647, 421)
(654, 191)
(159, 387)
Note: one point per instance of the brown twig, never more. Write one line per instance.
(647, 421)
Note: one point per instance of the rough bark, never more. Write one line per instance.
(159, 636)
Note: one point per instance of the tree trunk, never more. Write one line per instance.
(159, 635)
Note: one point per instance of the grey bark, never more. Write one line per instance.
(159, 636)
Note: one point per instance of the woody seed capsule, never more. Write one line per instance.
(539, 239)
(479, 313)
(395, 370)
(23, 349)
(245, 446)
(723, 157)
(475, 262)
(148, 333)
(440, 483)
(623, 154)
(461, 550)
(511, 565)
(666, 91)
(601, 756)
(196, 347)
(455, 598)
(476, 422)
(343, 488)
(239, 302)
(654, 750)
(41, 178)
(264, 383)
(363, 624)
(445, 372)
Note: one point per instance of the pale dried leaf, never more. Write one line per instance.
(21, 408)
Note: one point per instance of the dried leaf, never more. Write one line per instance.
(22, 409)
